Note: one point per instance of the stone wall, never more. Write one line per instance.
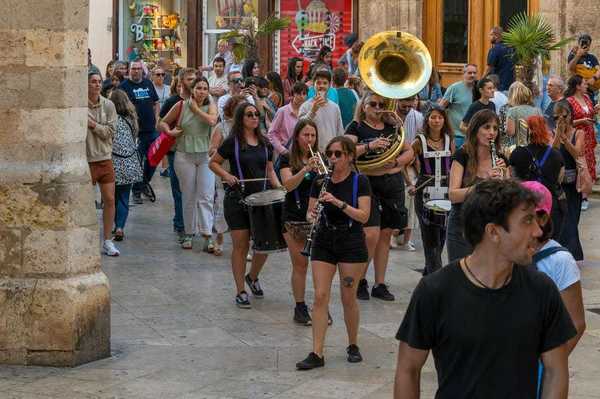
(54, 299)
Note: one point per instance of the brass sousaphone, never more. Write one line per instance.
(394, 65)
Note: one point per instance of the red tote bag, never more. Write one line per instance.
(159, 147)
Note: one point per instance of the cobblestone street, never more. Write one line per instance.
(176, 332)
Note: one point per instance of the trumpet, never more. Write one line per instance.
(322, 167)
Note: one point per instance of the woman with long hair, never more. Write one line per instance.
(124, 156)
(483, 92)
(323, 61)
(431, 93)
(250, 156)
(371, 129)
(193, 120)
(571, 142)
(435, 146)
(298, 169)
(294, 74)
(338, 245)
(471, 164)
(276, 89)
(583, 118)
(251, 69)
(538, 161)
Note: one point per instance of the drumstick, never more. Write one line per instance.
(250, 180)
(430, 178)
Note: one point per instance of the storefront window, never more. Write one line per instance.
(455, 31)
(221, 16)
(154, 29)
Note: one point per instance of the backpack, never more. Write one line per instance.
(544, 253)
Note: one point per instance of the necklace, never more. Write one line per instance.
(480, 282)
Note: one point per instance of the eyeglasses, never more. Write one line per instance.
(376, 104)
(252, 114)
(236, 80)
(337, 153)
(159, 74)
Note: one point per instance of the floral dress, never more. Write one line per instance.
(589, 137)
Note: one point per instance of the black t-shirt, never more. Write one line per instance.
(522, 162)
(168, 104)
(343, 192)
(462, 158)
(475, 107)
(252, 162)
(296, 201)
(366, 133)
(143, 96)
(486, 343)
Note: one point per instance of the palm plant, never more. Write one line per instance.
(245, 39)
(532, 39)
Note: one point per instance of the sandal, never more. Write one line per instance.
(217, 250)
(118, 235)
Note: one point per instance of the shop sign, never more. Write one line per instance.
(315, 23)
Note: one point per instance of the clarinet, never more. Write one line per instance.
(493, 154)
(309, 238)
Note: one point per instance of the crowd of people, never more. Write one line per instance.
(238, 132)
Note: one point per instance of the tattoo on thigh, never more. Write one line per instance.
(348, 281)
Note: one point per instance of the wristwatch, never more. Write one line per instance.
(344, 205)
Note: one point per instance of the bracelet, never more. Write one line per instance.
(344, 205)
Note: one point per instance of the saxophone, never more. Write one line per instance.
(310, 236)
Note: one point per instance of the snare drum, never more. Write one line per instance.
(435, 212)
(265, 210)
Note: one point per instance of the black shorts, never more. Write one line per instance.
(340, 245)
(235, 212)
(387, 203)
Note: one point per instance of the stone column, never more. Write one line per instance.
(54, 299)
(380, 15)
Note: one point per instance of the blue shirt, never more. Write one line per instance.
(500, 59)
(332, 94)
(460, 98)
(348, 99)
(144, 97)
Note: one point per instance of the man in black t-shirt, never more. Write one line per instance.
(142, 94)
(488, 321)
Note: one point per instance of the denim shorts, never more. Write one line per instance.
(340, 245)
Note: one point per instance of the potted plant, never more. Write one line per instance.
(245, 39)
(532, 39)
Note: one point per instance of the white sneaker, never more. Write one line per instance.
(585, 204)
(109, 248)
(409, 246)
(393, 242)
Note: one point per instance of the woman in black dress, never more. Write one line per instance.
(572, 146)
(250, 156)
(338, 245)
(471, 164)
(298, 170)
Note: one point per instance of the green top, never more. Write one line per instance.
(196, 132)
(459, 97)
(522, 112)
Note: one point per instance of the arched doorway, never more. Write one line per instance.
(456, 31)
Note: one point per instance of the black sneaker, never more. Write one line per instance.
(301, 315)
(137, 198)
(241, 300)
(329, 319)
(363, 290)
(254, 287)
(312, 361)
(380, 291)
(354, 355)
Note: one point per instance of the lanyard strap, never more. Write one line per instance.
(239, 167)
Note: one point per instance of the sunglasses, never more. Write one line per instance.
(337, 153)
(236, 81)
(159, 74)
(376, 104)
(557, 117)
(252, 114)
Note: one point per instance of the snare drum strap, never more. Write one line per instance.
(239, 167)
(437, 155)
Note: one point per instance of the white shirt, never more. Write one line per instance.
(163, 92)
(499, 100)
(223, 100)
(328, 120)
(560, 267)
(217, 82)
(413, 124)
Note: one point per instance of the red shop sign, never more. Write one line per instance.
(315, 23)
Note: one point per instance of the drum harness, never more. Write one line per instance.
(239, 167)
(436, 192)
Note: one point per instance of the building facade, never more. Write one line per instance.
(455, 31)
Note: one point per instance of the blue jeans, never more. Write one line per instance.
(176, 192)
(144, 142)
(121, 205)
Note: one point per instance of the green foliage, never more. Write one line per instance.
(531, 36)
(246, 40)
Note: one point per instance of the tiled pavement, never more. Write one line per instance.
(177, 334)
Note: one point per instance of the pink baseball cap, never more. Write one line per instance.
(545, 198)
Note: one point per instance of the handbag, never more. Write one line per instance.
(159, 147)
(584, 179)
